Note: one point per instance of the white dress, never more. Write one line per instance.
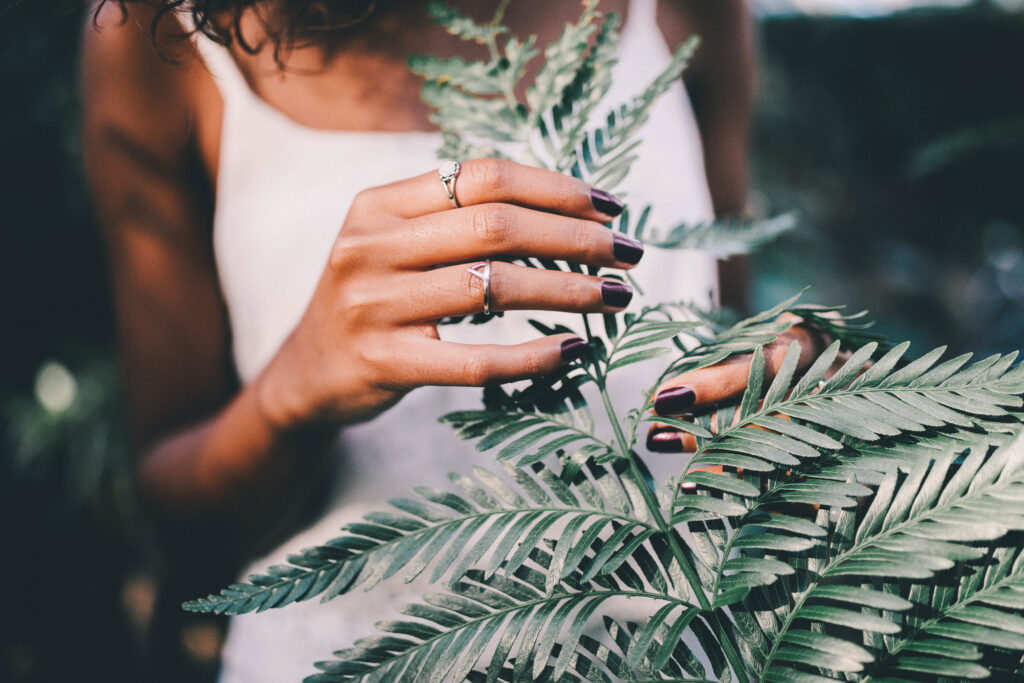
(283, 192)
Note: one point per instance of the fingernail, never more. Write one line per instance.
(688, 486)
(664, 440)
(626, 249)
(674, 401)
(606, 203)
(616, 294)
(573, 348)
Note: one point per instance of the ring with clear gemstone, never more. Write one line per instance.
(448, 170)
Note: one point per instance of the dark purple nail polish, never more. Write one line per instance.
(606, 203)
(664, 440)
(573, 348)
(675, 401)
(616, 294)
(627, 250)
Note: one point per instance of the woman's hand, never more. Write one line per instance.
(400, 263)
(701, 391)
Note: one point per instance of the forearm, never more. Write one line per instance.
(234, 471)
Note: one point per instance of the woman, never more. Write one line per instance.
(259, 227)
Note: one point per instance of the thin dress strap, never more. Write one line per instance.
(643, 12)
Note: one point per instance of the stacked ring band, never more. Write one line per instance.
(483, 271)
(448, 171)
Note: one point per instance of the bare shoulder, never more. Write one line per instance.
(139, 86)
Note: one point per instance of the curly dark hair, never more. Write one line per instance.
(288, 23)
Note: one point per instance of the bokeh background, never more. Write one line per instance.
(898, 137)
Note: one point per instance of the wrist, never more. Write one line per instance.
(282, 404)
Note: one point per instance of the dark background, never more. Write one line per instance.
(899, 141)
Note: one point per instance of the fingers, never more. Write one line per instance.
(431, 362)
(702, 389)
(454, 291)
(492, 229)
(494, 180)
(663, 438)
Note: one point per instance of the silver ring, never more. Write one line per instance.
(483, 271)
(449, 170)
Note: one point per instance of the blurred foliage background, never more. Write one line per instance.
(899, 140)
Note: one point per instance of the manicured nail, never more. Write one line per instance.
(674, 401)
(688, 487)
(616, 294)
(573, 348)
(626, 249)
(606, 203)
(665, 440)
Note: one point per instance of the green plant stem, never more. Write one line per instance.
(650, 498)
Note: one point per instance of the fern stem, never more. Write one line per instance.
(650, 498)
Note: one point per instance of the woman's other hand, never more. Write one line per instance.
(401, 262)
(702, 391)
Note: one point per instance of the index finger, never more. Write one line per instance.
(482, 181)
(705, 388)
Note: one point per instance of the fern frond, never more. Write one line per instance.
(728, 237)
(855, 405)
(571, 115)
(458, 24)
(643, 335)
(512, 617)
(704, 348)
(494, 522)
(768, 462)
(852, 330)
(561, 63)
(607, 153)
(881, 575)
(544, 419)
(952, 622)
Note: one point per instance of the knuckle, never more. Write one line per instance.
(587, 244)
(533, 362)
(478, 369)
(568, 190)
(376, 365)
(493, 175)
(362, 203)
(344, 253)
(578, 292)
(492, 224)
(359, 306)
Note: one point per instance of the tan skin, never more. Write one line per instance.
(227, 457)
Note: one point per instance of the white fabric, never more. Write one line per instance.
(283, 192)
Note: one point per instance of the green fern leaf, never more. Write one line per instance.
(872, 406)
(728, 237)
(447, 531)
(913, 531)
(509, 615)
(561, 62)
(458, 24)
